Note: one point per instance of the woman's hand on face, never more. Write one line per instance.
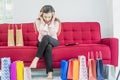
(41, 19)
(53, 18)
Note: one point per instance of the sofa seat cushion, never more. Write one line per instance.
(24, 53)
(63, 52)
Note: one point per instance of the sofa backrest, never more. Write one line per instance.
(80, 32)
(29, 36)
(3, 34)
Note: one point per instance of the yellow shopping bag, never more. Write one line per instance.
(20, 70)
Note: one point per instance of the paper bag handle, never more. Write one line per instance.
(98, 55)
(9, 26)
(17, 27)
(90, 55)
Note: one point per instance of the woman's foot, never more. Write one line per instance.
(34, 63)
(50, 76)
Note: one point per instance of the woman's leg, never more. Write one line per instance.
(41, 48)
(48, 60)
(34, 62)
(43, 44)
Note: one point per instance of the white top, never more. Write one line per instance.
(46, 29)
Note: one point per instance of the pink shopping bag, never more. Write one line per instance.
(13, 74)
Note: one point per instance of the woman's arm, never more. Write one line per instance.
(59, 29)
(55, 28)
(41, 28)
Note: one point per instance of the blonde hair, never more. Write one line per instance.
(48, 9)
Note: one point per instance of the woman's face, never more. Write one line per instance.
(47, 17)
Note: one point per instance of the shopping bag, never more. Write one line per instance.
(91, 66)
(5, 68)
(27, 73)
(75, 69)
(83, 74)
(70, 69)
(118, 76)
(19, 36)
(63, 69)
(99, 66)
(109, 72)
(13, 74)
(20, 70)
(11, 41)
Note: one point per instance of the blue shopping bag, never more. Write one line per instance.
(99, 67)
(63, 69)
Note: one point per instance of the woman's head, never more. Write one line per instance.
(47, 12)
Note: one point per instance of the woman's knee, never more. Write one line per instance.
(46, 37)
(49, 47)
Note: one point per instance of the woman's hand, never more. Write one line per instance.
(53, 18)
(41, 19)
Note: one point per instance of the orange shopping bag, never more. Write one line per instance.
(70, 69)
(91, 67)
(75, 69)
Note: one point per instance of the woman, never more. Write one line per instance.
(49, 28)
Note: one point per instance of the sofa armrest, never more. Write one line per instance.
(113, 44)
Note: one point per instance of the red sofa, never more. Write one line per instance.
(87, 34)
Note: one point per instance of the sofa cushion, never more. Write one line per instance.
(63, 52)
(81, 32)
(24, 53)
(29, 36)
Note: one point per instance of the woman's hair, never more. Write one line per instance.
(48, 9)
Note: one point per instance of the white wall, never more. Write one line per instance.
(67, 10)
(116, 21)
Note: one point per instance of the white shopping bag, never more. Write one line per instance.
(83, 74)
(109, 72)
(27, 73)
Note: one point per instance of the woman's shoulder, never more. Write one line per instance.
(37, 20)
(57, 20)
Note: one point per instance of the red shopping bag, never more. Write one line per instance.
(91, 66)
